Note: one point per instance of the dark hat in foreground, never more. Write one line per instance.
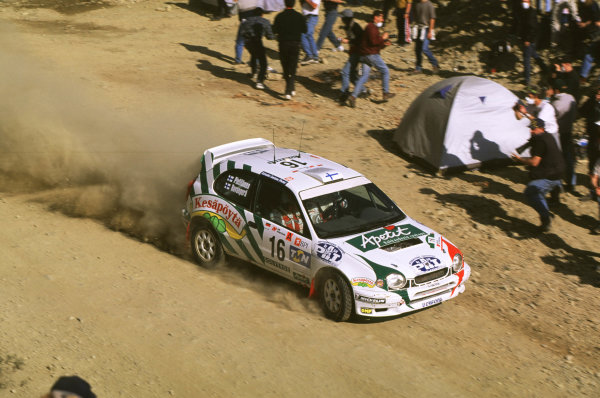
(73, 385)
(537, 123)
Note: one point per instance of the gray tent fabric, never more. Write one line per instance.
(462, 122)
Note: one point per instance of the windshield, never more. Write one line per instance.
(349, 211)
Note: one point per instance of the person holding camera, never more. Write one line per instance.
(546, 168)
(371, 43)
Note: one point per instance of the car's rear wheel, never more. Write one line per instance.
(206, 246)
(336, 297)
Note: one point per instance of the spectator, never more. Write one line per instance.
(564, 12)
(222, 11)
(589, 32)
(539, 107)
(591, 111)
(310, 10)
(566, 111)
(371, 44)
(402, 21)
(545, 171)
(253, 30)
(239, 39)
(331, 15)
(353, 37)
(563, 70)
(544, 33)
(423, 17)
(528, 32)
(595, 182)
(289, 25)
(70, 387)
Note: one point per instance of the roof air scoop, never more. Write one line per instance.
(324, 175)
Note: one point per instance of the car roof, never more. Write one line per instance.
(296, 169)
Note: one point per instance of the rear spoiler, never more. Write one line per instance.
(219, 153)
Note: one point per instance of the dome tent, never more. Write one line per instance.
(460, 123)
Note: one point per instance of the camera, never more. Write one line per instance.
(523, 147)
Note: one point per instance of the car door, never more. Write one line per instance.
(285, 239)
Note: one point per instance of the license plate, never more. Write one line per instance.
(432, 302)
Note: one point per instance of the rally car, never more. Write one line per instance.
(322, 225)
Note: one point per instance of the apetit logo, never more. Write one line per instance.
(426, 263)
(385, 236)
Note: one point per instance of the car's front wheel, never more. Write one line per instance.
(336, 297)
(206, 246)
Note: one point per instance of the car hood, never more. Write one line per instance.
(407, 246)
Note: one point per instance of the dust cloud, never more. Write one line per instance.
(66, 145)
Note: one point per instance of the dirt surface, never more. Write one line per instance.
(106, 110)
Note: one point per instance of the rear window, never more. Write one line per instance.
(236, 186)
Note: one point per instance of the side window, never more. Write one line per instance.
(237, 187)
(278, 204)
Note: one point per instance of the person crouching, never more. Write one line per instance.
(546, 168)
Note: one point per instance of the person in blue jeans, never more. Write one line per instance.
(423, 16)
(310, 10)
(239, 39)
(528, 32)
(546, 168)
(371, 43)
(331, 15)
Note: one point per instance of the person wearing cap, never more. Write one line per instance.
(546, 167)
(371, 43)
(353, 37)
(289, 25)
(566, 111)
(70, 387)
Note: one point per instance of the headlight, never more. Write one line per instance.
(457, 262)
(395, 281)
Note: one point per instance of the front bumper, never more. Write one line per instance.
(369, 303)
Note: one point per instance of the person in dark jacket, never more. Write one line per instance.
(289, 25)
(528, 31)
(353, 37)
(566, 112)
(546, 168)
(252, 30)
(590, 110)
(371, 43)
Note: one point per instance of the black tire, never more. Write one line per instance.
(335, 295)
(206, 246)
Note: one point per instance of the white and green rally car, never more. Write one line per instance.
(322, 225)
